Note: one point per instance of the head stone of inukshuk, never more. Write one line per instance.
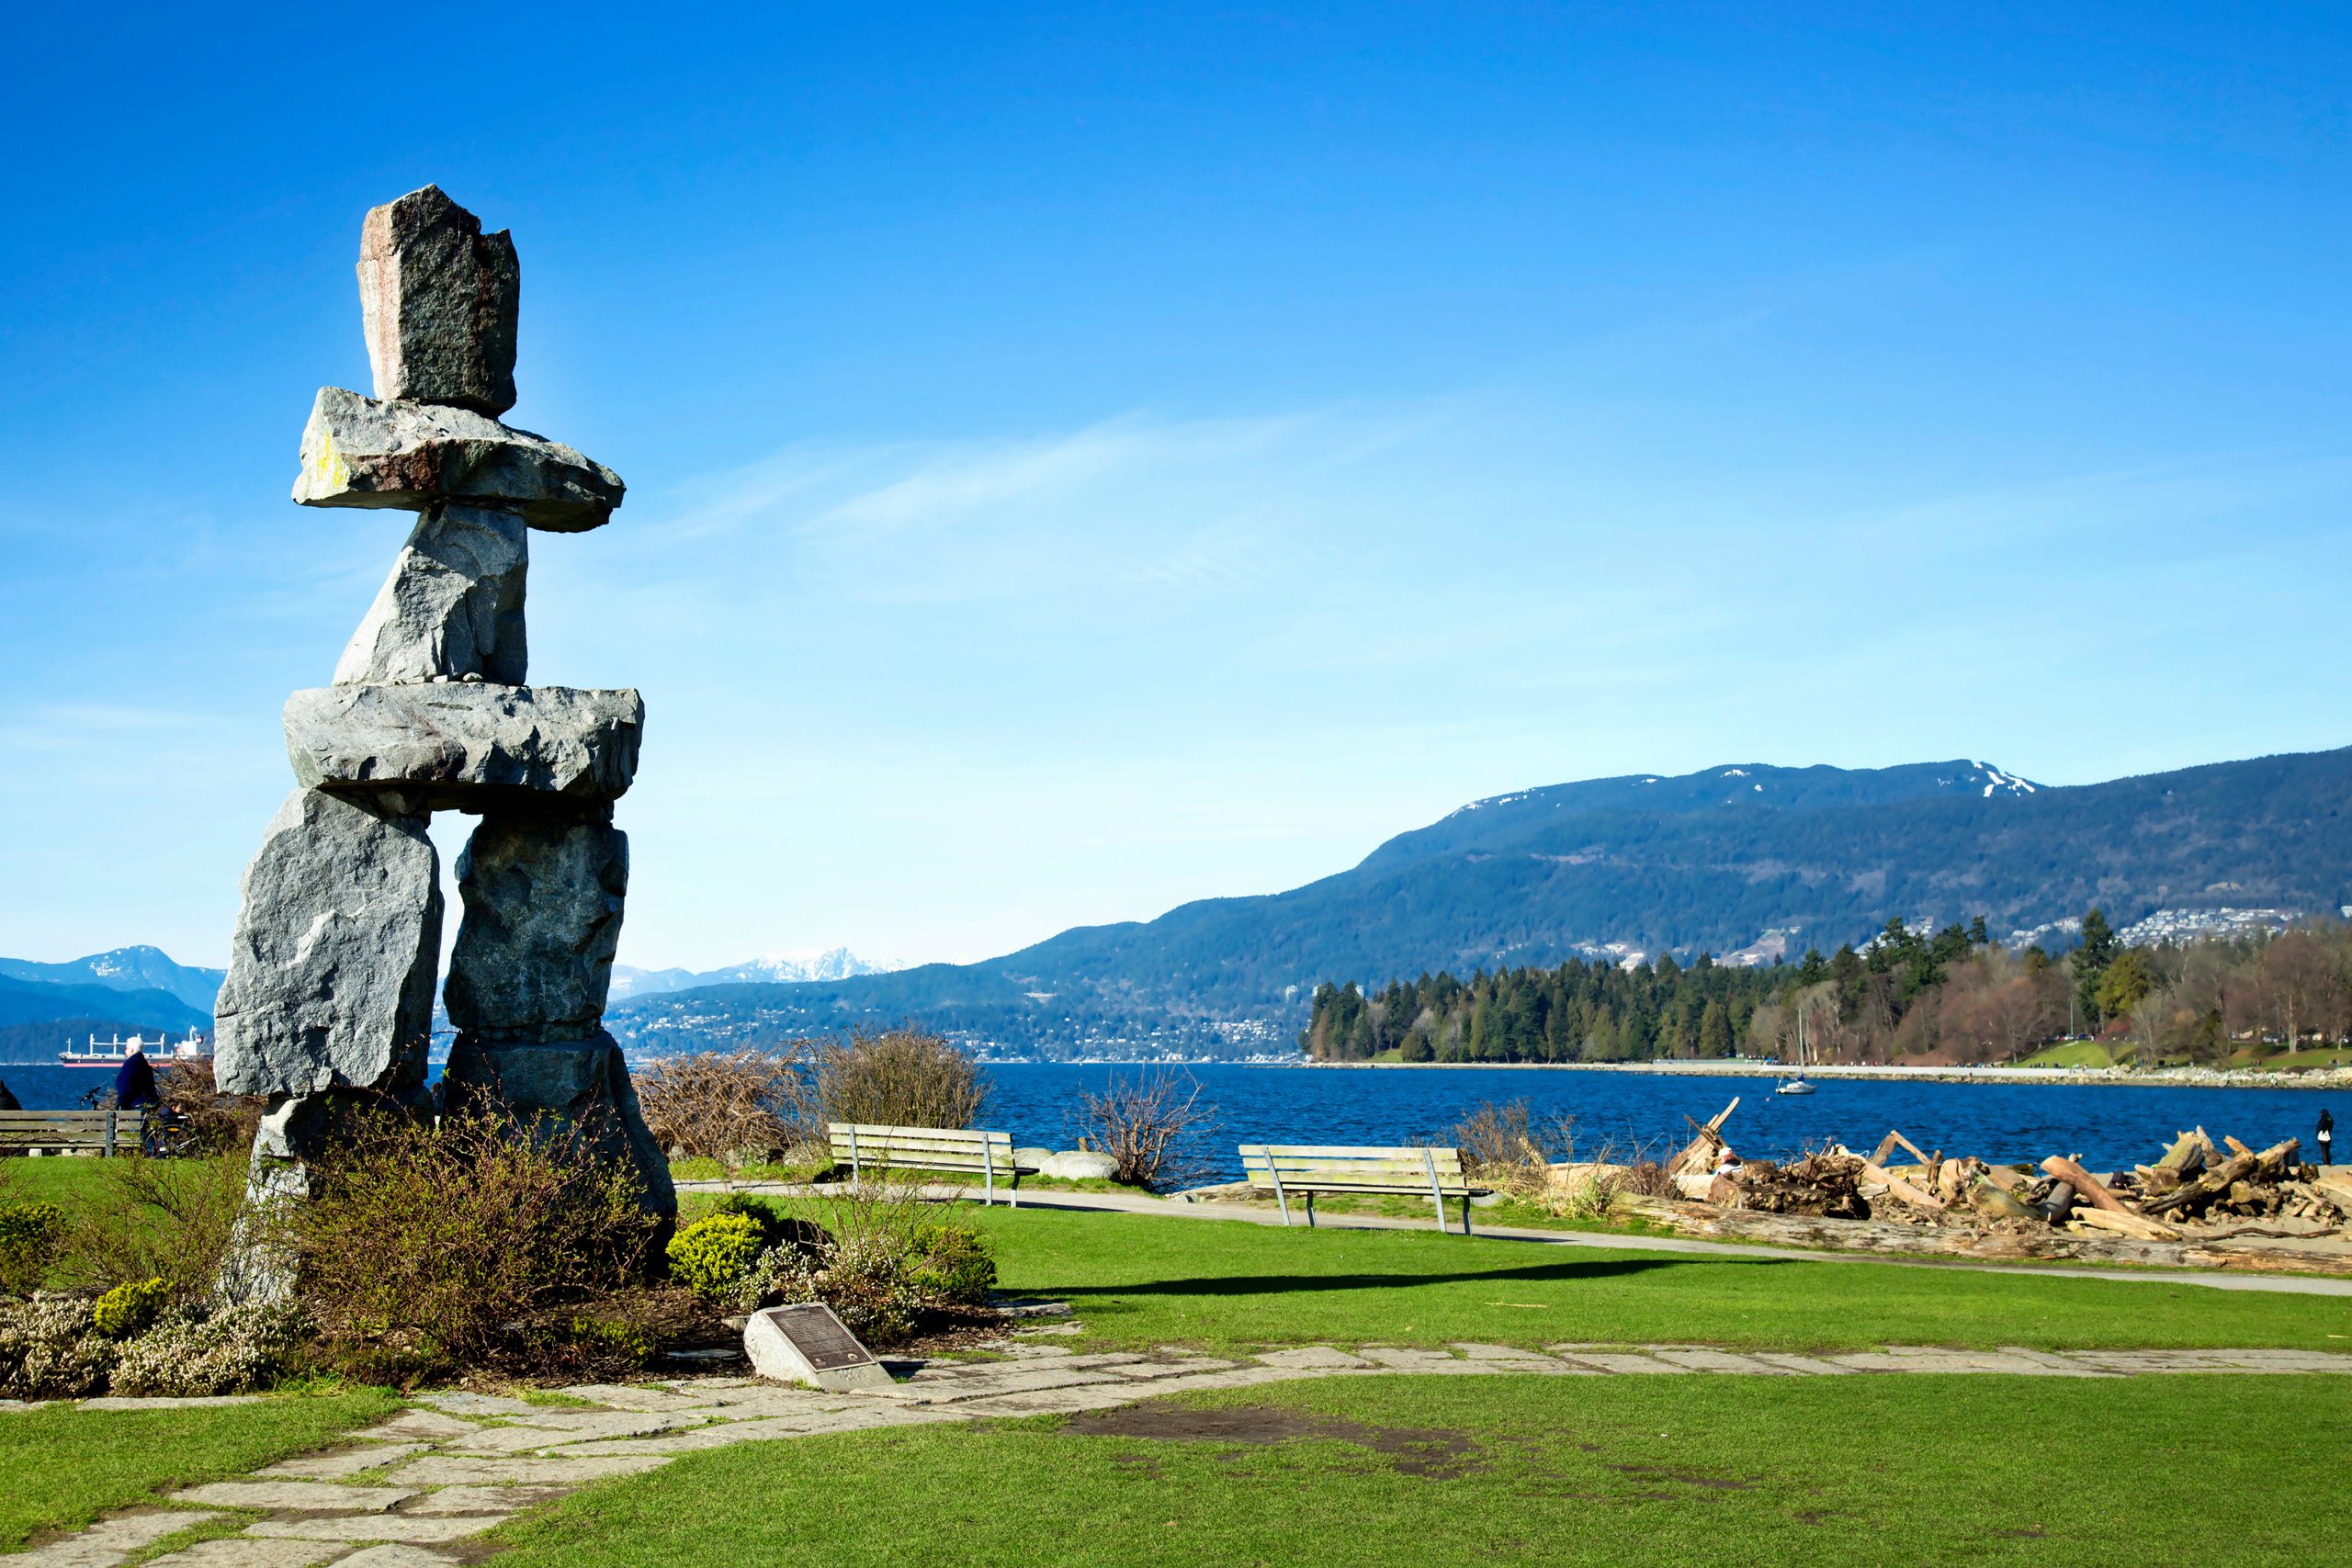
(329, 999)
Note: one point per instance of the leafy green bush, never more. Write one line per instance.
(713, 1257)
(149, 1219)
(951, 1263)
(607, 1337)
(865, 1279)
(31, 1235)
(128, 1309)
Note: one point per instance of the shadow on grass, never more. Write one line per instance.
(1296, 1284)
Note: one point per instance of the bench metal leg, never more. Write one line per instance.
(1282, 1201)
(1465, 1213)
(1311, 1208)
(1437, 1197)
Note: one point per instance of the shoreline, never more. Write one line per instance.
(2165, 1077)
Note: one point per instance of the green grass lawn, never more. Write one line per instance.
(1138, 1281)
(61, 1466)
(1379, 1470)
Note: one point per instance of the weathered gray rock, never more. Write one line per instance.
(534, 958)
(1078, 1165)
(363, 452)
(438, 300)
(562, 1085)
(331, 965)
(469, 748)
(452, 607)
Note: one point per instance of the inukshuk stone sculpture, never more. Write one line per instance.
(329, 999)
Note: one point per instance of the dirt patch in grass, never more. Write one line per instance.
(1432, 1452)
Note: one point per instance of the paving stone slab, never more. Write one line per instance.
(523, 1437)
(1404, 1360)
(108, 1541)
(244, 1551)
(1613, 1361)
(1724, 1362)
(807, 1425)
(770, 1399)
(380, 1526)
(462, 1403)
(990, 1384)
(453, 1470)
(1809, 1366)
(334, 1467)
(638, 1396)
(160, 1401)
(1189, 1366)
(1049, 1402)
(1904, 1360)
(393, 1555)
(2055, 1363)
(299, 1496)
(486, 1499)
(429, 1426)
(1312, 1357)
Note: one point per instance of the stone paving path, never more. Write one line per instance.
(403, 1493)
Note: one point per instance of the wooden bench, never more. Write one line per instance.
(72, 1132)
(949, 1149)
(1309, 1169)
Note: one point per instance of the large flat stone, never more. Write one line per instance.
(486, 1499)
(457, 1469)
(299, 1497)
(380, 1526)
(468, 747)
(543, 900)
(428, 1425)
(394, 1554)
(606, 1423)
(244, 1551)
(452, 606)
(108, 1541)
(438, 301)
(464, 1402)
(366, 453)
(331, 965)
(640, 1396)
(334, 1467)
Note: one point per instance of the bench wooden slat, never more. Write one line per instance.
(72, 1129)
(957, 1150)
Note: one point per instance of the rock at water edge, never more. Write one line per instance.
(533, 956)
(452, 606)
(332, 967)
(438, 301)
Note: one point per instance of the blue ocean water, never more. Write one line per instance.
(2111, 1127)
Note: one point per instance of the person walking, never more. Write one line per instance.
(2326, 1137)
(134, 1082)
(7, 1101)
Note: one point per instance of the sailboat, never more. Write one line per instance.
(1796, 1085)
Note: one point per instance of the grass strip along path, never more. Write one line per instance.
(61, 1465)
(1137, 1282)
(1474, 1470)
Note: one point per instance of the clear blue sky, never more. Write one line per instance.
(1084, 460)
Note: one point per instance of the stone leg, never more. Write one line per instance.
(332, 967)
(527, 982)
(559, 1087)
(452, 607)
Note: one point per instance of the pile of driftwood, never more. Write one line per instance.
(2197, 1195)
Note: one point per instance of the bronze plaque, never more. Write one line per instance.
(820, 1336)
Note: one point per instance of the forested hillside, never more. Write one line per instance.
(1704, 863)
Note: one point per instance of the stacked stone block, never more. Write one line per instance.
(328, 997)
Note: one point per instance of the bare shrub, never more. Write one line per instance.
(167, 1219)
(724, 1105)
(211, 1122)
(1647, 1178)
(1151, 1125)
(1504, 1148)
(905, 1077)
(425, 1248)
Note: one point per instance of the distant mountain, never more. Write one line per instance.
(835, 963)
(33, 1001)
(125, 969)
(1718, 860)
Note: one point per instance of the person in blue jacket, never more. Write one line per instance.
(134, 1082)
